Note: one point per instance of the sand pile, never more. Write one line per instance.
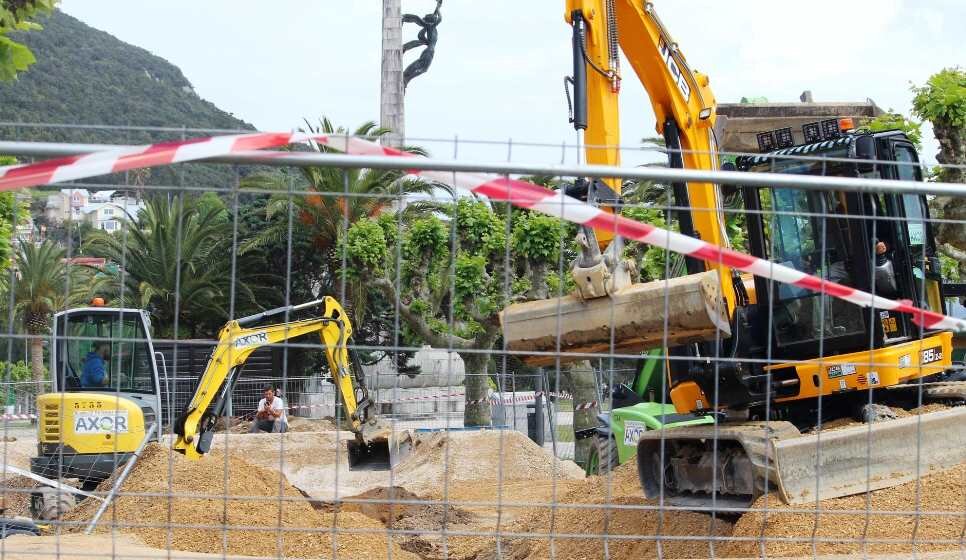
(184, 503)
(843, 521)
(15, 497)
(636, 529)
(383, 505)
(899, 412)
(479, 455)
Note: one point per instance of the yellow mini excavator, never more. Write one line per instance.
(94, 418)
(767, 362)
(374, 444)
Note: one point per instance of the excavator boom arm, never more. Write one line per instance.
(236, 343)
(682, 100)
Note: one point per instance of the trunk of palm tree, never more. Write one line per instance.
(37, 358)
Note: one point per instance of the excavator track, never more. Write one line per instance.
(731, 464)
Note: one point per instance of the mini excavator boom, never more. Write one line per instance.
(373, 442)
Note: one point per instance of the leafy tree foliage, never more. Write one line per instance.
(892, 120)
(176, 261)
(454, 276)
(18, 15)
(43, 284)
(315, 205)
(942, 101)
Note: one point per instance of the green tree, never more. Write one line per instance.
(942, 101)
(43, 284)
(18, 15)
(325, 199)
(455, 276)
(175, 261)
(892, 120)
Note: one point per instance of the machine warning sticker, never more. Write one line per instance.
(840, 370)
(930, 355)
(874, 378)
(100, 422)
(251, 340)
(905, 361)
(633, 432)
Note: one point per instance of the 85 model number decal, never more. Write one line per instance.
(930, 355)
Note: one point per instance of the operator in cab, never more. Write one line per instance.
(270, 415)
(94, 374)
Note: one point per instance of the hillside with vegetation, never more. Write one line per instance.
(84, 76)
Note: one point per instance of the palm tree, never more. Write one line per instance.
(175, 261)
(43, 284)
(336, 198)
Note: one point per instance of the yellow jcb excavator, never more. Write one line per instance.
(374, 443)
(766, 362)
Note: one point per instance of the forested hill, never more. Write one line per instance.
(87, 76)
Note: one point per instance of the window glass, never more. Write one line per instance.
(104, 351)
(807, 234)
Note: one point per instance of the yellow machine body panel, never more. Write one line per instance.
(90, 423)
(882, 367)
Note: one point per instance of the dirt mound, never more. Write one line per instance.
(15, 498)
(480, 455)
(383, 504)
(889, 521)
(618, 523)
(224, 505)
(611, 509)
(848, 422)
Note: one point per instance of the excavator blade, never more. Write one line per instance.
(869, 457)
(641, 316)
(379, 451)
(731, 465)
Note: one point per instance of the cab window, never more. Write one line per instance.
(104, 352)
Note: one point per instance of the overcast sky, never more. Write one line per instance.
(500, 64)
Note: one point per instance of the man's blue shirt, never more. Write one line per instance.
(93, 374)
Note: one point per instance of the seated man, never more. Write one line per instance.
(94, 374)
(270, 415)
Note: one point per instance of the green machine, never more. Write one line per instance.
(636, 408)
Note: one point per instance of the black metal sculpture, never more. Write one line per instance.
(426, 38)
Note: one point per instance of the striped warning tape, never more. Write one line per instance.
(585, 406)
(495, 187)
(18, 416)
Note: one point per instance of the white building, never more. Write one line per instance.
(102, 209)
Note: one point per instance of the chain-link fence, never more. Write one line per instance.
(481, 368)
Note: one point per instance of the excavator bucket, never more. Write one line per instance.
(379, 451)
(640, 316)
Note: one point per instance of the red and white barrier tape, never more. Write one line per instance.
(585, 406)
(519, 193)
(18, 416)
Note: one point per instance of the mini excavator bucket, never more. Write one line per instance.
(379, 449)
(640, 316)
